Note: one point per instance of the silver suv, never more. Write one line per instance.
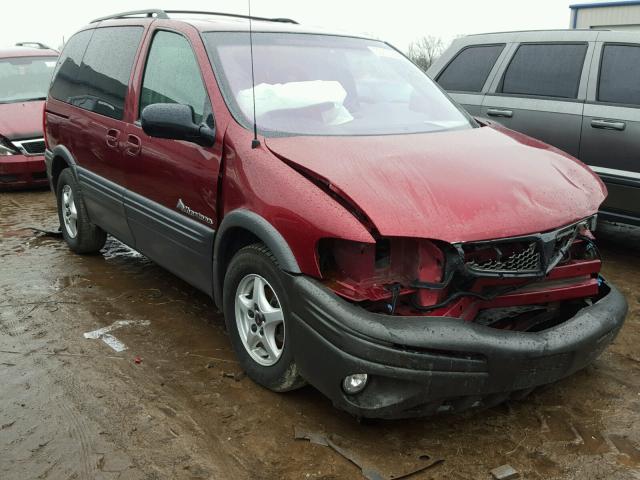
(578, 90)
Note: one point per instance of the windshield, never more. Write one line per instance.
(309, 84)
(25, 78)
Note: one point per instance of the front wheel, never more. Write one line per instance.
(256, 312)
(81, 235)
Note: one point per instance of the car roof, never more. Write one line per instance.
(15, 52)
(222, 24)
(550, 35)
(219, 22)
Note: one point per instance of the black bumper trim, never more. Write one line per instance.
(419, 364)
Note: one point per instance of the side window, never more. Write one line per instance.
(106, 69)
(469, 70)
(548, 70)
(65, 77)
(620, 75)
(172, 75)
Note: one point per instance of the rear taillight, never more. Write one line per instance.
(44, 125)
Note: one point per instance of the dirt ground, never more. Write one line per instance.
(73, 408)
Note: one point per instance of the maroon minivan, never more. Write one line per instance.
(25, 74)
(359, 230)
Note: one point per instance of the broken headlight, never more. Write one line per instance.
(381, 270)
(7, 148)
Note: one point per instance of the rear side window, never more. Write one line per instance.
(65, 83)
(172, 75)
(470, 69)
(106, 69)
(546, 70)
(620, 75)
(99, 83)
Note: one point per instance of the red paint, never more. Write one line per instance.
(26, 172)
(190, 167)
(418, 189)
(478, 184)
(21, 120)
(18, 121)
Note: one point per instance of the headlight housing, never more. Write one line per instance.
(7, 148)
(382, 270)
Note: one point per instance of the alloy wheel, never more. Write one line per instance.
(260, 320)
(69, 212)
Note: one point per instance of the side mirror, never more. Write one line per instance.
(175, 121)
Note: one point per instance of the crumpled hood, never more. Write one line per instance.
(455, 186)
(21, 120)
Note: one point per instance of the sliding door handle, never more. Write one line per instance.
(112, 138)
(498, 112)
(608, 125)
(133, 146)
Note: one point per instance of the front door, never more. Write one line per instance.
(469, 73)
(172, 185)
(540, 93)
(611, 129)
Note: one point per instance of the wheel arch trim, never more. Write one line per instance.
(259, 227)
(62, 152)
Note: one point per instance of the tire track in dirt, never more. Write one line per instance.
(19, 329)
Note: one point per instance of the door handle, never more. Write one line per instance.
(112, 138)
(608, 125)
(134, 145)
(498, 112)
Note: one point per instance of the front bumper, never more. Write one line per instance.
(21, 171)
(425, 365)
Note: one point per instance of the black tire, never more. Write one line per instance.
(256, 259)
(89, 237)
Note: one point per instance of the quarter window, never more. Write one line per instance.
(546, 70)
(65, 83)
(620, 75)
(99, 83)
(172, 75)
(106, 69)
(470, 69)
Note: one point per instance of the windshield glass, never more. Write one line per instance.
(25, 78)
(309, 84)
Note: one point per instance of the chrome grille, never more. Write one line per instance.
(34, 146)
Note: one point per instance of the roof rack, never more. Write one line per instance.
(233, 15)
(542, 30)
(163, 14)
(38, 45)
(154, 12)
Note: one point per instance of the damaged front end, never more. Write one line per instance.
(424, 326)
(526, 283)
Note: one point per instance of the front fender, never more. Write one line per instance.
(260, 228)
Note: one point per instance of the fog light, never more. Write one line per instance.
(355, 383)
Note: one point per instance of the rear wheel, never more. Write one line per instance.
(256, 312)
(81, 235)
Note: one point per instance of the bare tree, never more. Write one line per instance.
(424, 51)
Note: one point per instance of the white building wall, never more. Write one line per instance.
(613, 18)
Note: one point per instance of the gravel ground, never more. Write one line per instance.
(173, 404)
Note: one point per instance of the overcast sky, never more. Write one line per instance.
(398, 21)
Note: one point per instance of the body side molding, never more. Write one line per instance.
(171, 239)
